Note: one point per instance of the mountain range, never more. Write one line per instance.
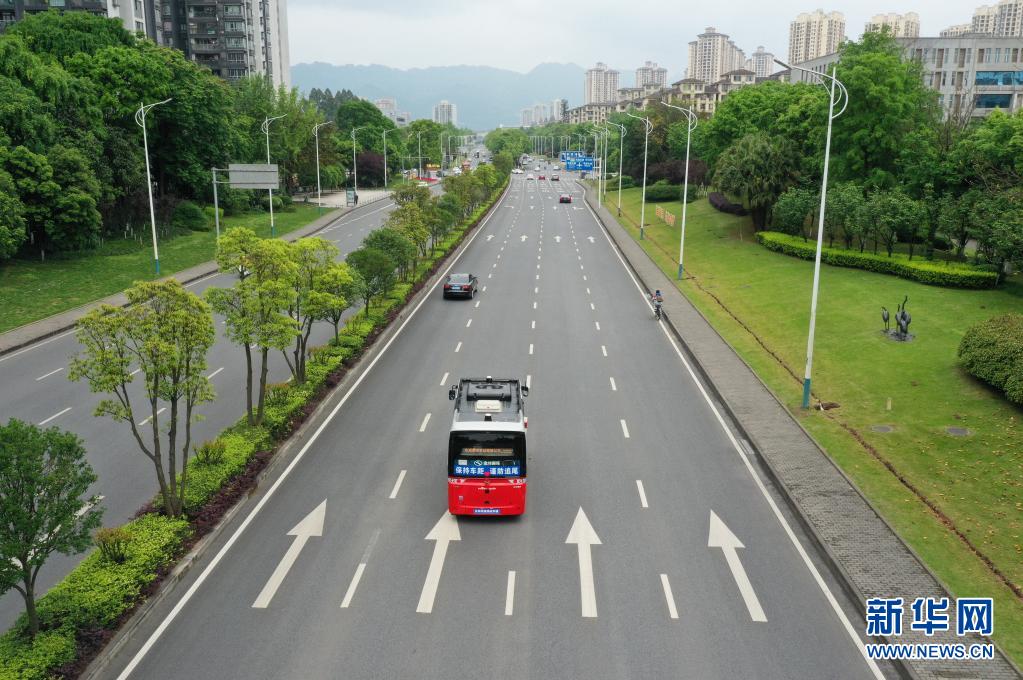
(486, 97)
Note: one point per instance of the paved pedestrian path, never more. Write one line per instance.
(863, 549)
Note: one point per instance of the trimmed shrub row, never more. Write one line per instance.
(656, 193)
(945, 274)
(81, 612)
(721, 202)
(993, 352)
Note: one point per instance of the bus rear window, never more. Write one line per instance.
(486, 455)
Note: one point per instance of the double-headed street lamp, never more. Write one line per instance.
(266, 130)
(355, 166)
(836, 94)
(621, 150)
(690, 126)
(646, 142)
(140, 118)
(316, 134)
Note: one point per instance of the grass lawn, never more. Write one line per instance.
(33, 290)
(975, 481)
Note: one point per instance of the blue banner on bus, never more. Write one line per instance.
(487, 470)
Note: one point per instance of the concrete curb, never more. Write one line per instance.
(849, 549)
(23, 336)
(284, 453)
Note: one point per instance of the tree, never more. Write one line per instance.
(312, 259)
(844, 204)
(12, 220)
(899, 218)
(395, 245)
(794, 211)
(253, 308)
(998, 227)
(758, 168)
(43, 478)
(955, 219)
(503, 163)
(332, 293)
(375, 269)
(165, 333)
(409, 220)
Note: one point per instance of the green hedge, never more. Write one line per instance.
(98, 592)
(94, 595)
(993, 351)
(932, 273)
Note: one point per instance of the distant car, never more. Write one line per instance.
(460, 285)
(537, 168)
(557, 167)
(542, 177)
(555, 177)
(529, 176)
(516, 171)
(565, 198)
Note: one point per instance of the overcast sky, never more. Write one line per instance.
(520, 34)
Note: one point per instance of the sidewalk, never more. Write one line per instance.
(862, 548)
(52, 325)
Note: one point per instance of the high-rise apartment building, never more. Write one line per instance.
(1004, 20)
(713, 54)
(956, 30)
(814, 34)
(387, 105)
(601, 85)
(899, 25)
(558, 108)
(761, 63)
(445, 112)
(526, 119)
(651, 74)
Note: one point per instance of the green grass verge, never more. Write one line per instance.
(975, 481)
(35, 290)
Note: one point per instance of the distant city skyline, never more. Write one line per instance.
(594, 35)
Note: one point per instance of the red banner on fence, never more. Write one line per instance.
(660, 212)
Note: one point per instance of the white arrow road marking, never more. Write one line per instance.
(583, 535)
(672, 611)
(397, 484)
(509, 598)
(557, 239)
(312, 525)
(642, 493)
(490, 236)
(422, 428)
(55, 415)
(523, 238)
(591, 238)
(722, 537)
(444, 380)
(445, 531)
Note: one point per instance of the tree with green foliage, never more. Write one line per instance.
(793, 212)
(395, 245)
(253, 308)
(164, 334)
(13, 227)
(955, 219)
(503, 163)
(997, 218)
(376, 269)
(312, 259)
(759, 168)
(44, 477)
(844, 203)
(507, 140)
(332, 293)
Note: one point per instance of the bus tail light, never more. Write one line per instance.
(525, 422)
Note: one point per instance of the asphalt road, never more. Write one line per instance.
(35, 389)
(619, 431)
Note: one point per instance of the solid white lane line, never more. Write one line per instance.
(158, 412)
(422, 428)
(468, 323)
(672, 611)
(625, 428)
(444, 380)
(200, 280)
(530, 348)
(38, 344)
(59, 413)
(47, 375)
(509, 598)
(458, 346)
(597, 324)
(350, 593)
(614, 388)
(215, 372)
(397, 484)
(642, 494)
(818, 579)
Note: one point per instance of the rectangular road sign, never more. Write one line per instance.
(253, 176)
(582, 163)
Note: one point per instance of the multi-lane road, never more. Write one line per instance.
(35, 388)
(653, 546)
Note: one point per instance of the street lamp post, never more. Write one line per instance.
(621, 150)
(316, 134)
(690, 126)
(140, 118)
(385, 159)
(836, 94)
(603, 163)
(646, 142)
(266, 131)
(419, 146)
(355, 166)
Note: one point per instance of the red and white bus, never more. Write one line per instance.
(487, 447)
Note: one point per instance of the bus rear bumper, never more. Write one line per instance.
(479, 497)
